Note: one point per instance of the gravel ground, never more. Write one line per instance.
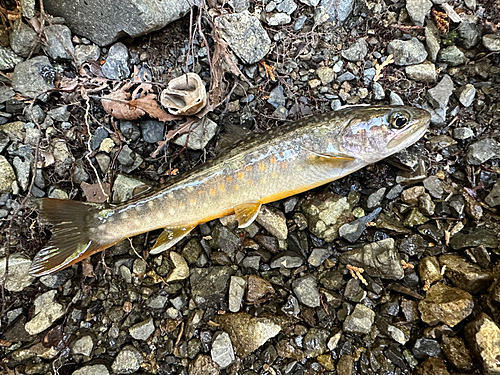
(390, 270)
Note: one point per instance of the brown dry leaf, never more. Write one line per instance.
(269, 70)
(149, 105)
(95, 193)
(379, 68)
(117, 104)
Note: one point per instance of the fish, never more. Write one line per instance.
(287, 160)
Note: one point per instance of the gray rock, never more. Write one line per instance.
(466, 96)
(210, 284)
(277, 97)
(318, 256)
(127, 361)
(483, 338)
(395, 99)
(83, 346)
(452, 56)
(100, 135)
(245, 35)
(440, 94)
(225, 240)
(28, 7)
(130, 130)
(123, 188)
(23, 39)
(347, 76)
(299, 24)
(492, 199)
(432, 40)
(378, 91)
(287, 6)
(142, 330)
(469, 34)
(444, 304)
(368, 75)
(276, 19)
(491, 42)
(7, 175)
(425, 72)
(274, 221)
(287, 259)
(152, 130)
(425, 347)
(23, 171)
(157, 302)
(281, 113)
(115, 20)
(315, 342)
(375, 199)
(418, 10)
(56, 280)
(394, 192)
(360, 321)
(463, 133)
(353, 230)
(357, 51)
(434, 186)
(200, 134)
(6, 93)
(33, 77)
(18, 277)
(59, 45)
(326, 213)
(479, 236)
(47, 311)
(222, 350)
(407, 52)
(87, 52)
(311, 3)
(379, 259)
(92, 370)
(237, 287)
(247, 333)
(338, 10)
(116, 65)
(8, 58)
(306, 290)
(60, 113)
(483, 150)
(239, 5)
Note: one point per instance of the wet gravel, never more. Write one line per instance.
(393, 269)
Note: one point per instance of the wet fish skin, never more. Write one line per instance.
(267, 167)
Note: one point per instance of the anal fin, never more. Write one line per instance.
(170, 236)
(246, 213)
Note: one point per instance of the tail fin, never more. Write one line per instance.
(70, 241)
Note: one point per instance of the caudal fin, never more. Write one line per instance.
(70, 241)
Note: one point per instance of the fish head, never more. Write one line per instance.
(374, 133)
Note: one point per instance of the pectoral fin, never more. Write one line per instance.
(246, 213)
(170, 236)
(334, 156)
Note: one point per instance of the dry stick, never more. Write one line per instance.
(190, 41)
(87, 123)
(205, 41)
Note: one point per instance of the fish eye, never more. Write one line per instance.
(399, 119)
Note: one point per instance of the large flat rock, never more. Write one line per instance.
(105, 21)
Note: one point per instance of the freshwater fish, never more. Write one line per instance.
(287, 160)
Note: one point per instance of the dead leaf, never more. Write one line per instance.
(95, 193)
(117, 104)
(150, 106)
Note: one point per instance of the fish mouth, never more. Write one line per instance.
(413, 133)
